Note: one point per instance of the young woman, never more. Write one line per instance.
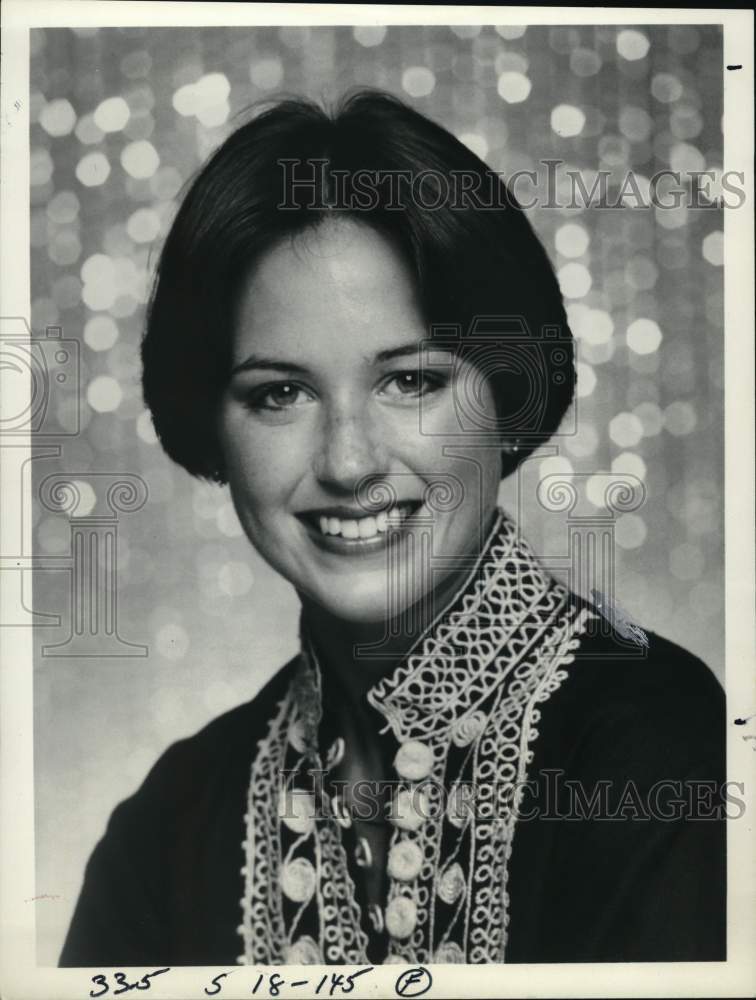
(355, 327)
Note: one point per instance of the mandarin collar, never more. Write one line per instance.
(504, 606)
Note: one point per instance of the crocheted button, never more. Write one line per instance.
(452, 884)
(401, 917)
(296, 809)
(468, 729)
(303, 951)
(409, 809)
(297, 735)
(449, 954)
(405, 861)
(459, 807)
(414, 760)
(298, 880)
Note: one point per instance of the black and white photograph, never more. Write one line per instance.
(377, 501)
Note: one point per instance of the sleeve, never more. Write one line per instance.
(119, 919)
(649, 877)
(626, 858)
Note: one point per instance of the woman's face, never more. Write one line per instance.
(346, 462)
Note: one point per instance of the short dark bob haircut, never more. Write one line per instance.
(484, 280)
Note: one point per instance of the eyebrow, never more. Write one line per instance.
(256, 362)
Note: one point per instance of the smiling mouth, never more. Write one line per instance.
(338, 529)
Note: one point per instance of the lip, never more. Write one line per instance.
(355, 547)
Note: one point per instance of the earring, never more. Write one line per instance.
(512, 447)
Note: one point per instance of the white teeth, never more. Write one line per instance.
(365, 527)
(368, 527)
(350, 529)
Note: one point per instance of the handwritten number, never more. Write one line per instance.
(354, 975)
(216, 983)
(275, 983)
(125, 985)
(257, 985)
(321, 984)
(99, 981)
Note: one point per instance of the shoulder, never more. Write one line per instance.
(639, 704)
(213, 758)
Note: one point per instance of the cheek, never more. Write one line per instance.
(261, 464)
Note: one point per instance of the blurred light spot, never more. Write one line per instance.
(172, 641)
(510, 31)
(614, 150)
(625, 430)
(93, 169)
(143, 226)
(672, 218)
(40, 167)
(574, 280)
(53, 535)
(686, 562)
(712, 248)
(166, 183)
(465, 30)
(266, 73)
(685, 158)
(567, 120)
(629, 464)
(679, 418)
(87, 498)
(644, 336)
(87, 131)
(97, 268)
(235, 579)
(572, 240)
(64, 248)
(635, 124)
(555, 465)
(685, 122)
(228, 522)
(369, 35)
(418, 81)
(630, 531)
(586, 379)
(476, 143)
(514, 87)
(651, 418)
(63, 207)
(100, 333)
(585, 62)
(514, 62)
(104, 394)
(595, 490)
(111, 114)
(584, 443)
(145, 428)
(632, 45)
(140, 159)
(666, 88)
(58, 117)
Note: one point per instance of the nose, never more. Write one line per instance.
(351, 447)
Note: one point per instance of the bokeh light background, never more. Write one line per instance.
(121, 118)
